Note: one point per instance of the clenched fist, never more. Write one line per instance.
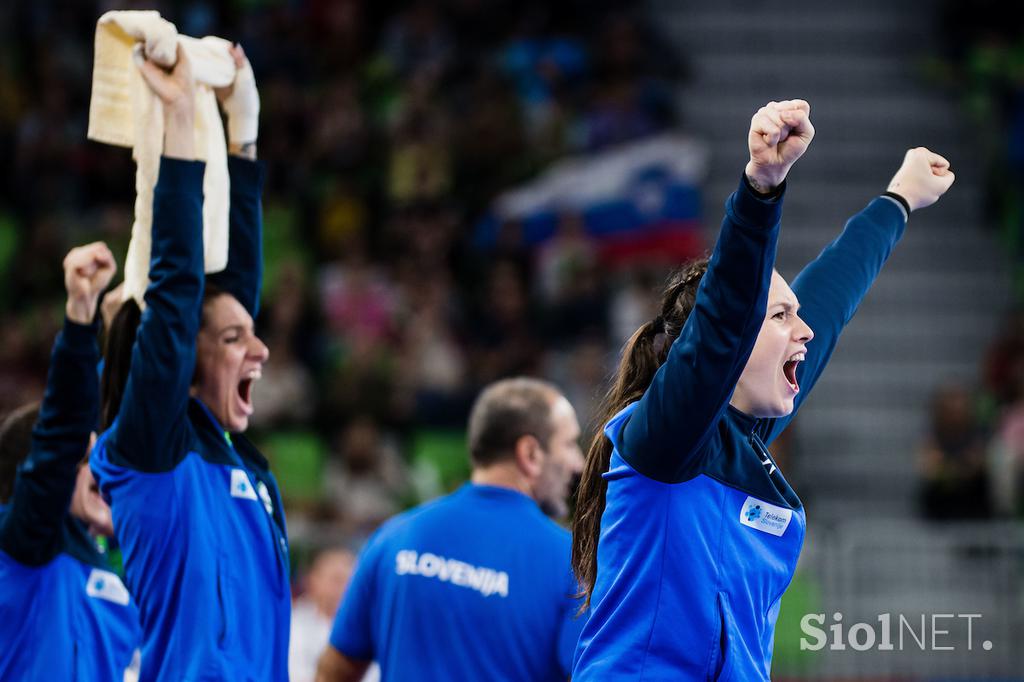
(780, 133)
(922, 179)
(87, 272)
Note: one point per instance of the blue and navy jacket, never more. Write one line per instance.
(64, 613)
(701, 532)
(197, 511)
(476, 585)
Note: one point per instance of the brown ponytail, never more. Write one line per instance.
(117, 359)
(642, 355)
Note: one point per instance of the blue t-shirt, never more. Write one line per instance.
(474, 586)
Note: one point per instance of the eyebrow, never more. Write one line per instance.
(232, 327)
(788, 306)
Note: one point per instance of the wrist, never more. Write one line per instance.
(80, 311)
(762, 182)
(179, 136)
(246, 150)
(900, 198)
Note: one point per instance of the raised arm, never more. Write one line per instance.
(691, 389)
(149, 423)
(831, 287)
(244, 273)
(31, 531)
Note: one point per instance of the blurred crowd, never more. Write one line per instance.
(985, 64)
(972, 456)
(388, 130)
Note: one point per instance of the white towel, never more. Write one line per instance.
(123, 111)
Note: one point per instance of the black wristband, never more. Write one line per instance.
(897, 197)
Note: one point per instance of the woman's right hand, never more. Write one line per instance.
(87, 272)
(780, 133)
(176, 89)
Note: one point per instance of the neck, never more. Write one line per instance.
(502, 475)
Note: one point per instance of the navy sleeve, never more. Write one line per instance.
(149, 432)
(831, 287)
(244, 273)
(689, 393)
(31, 530)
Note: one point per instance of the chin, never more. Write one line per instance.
(239, 425)
(781, 409)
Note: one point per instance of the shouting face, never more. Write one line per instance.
(769, 383)
(229, 359)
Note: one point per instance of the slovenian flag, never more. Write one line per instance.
(639, 200)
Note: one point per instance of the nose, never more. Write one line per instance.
(804, 330)
(258, 350)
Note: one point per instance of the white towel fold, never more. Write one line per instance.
(123, 111)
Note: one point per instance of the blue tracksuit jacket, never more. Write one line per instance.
(701, 532)
(64, 615)
(198, 514)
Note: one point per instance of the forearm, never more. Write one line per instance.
(243, 275)
(60, 439)
(163, 356)
(690, 391)
(832, 286)
(335, 666)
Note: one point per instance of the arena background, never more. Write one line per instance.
(463, 190)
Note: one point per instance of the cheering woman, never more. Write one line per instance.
(687, 534)
(195, 507)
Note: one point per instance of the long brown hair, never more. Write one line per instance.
(642, 355)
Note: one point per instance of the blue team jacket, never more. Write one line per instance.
(474, 586)
(64, 615)
(198, 514)
(701, 532)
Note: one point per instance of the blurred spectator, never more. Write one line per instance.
(952, 459)
(313, 611)
(504, 339)
(366, 480)
(286, 392)
(1004, 361)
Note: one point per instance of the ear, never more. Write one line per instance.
(529, 456)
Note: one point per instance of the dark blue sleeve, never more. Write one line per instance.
(689, 393)
(244, 273)
(150, 429)
(31, 530)
(831, 287)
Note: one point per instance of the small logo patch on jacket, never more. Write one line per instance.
(241, 486)
(765, 517)
(106, 585)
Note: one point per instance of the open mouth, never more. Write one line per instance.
(789, 371)
(245, 390)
